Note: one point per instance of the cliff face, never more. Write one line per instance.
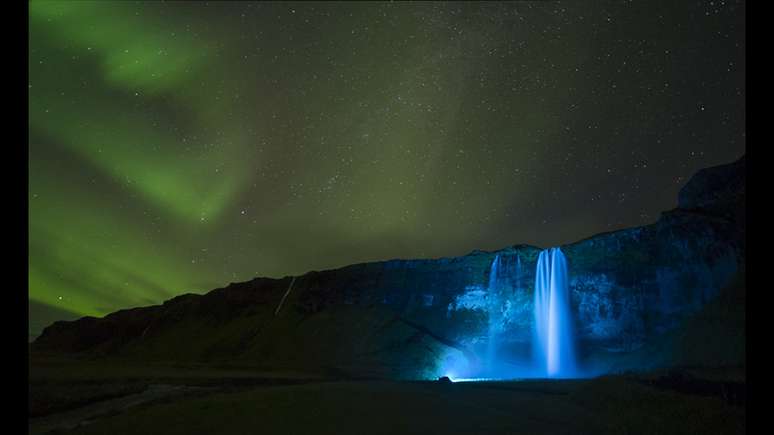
(404, 318)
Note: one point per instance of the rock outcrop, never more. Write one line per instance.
(403, 318)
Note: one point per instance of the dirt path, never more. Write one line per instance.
(68, 420)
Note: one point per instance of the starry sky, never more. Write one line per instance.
(179, 146)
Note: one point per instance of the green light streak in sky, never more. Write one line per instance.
(112, 131)
(136, 51)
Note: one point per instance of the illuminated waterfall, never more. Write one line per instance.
(553, 344)
(505, 354)
(493, 305)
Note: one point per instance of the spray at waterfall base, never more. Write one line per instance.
(550, 350)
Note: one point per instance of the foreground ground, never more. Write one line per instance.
(82, 398)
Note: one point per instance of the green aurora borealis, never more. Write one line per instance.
(178, 146)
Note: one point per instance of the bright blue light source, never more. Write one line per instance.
(472, 379)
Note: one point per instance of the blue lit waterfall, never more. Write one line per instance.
(494, 317)
(528, 335)
(553, 339)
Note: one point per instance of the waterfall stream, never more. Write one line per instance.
(506, 352)
(553, 343)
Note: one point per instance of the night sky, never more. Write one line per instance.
(176, 147)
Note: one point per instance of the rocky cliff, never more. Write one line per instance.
(408, 318)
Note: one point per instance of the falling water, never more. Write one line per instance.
(493, 304)
(553, 329)
(504, 356)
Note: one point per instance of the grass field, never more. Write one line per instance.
(101, 398)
